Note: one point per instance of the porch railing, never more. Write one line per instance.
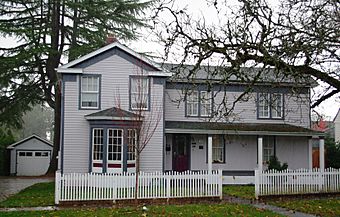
(302, 181)
(92, 186)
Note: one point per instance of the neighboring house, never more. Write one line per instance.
(30, 156)
(96, 135)
(324, 126)
(336, 122)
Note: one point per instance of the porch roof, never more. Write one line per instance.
(238, 128)
(113, 113)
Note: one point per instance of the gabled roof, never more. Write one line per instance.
(337, 115)
(67, 68)
(29, 138)
(113, 113)
(238, 128)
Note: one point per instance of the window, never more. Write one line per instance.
(139, 93)
(192, 103)
(198, 104)
(268, 147)
(264, 105)
(115, 142)
(38, 154)
(205, 103)
(217, 149)
(131, 144)
(97, 143)
(270, 105)
(89, 92)
(277, 105)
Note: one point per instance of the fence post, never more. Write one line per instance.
(57, 187)
(168, 186)
(257, 184)
(220, 182)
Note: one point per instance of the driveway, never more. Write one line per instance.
(12, 185)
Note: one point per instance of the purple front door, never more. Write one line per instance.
(181, 149)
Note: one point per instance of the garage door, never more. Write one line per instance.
(32, 163)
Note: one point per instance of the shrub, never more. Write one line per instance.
(275, 164)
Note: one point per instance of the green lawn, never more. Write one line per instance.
(41, 194)
(243, 191)
(166, 210)
(326, 207)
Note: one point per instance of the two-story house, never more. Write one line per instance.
(101, 94)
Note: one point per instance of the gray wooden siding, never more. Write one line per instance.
(296, 108)
(115, 73)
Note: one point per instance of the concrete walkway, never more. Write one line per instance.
(12, 185)
(261, 205)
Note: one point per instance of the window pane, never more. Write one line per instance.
(217, 149)
(192, 103)
(206, 103)
(89, 91)
(268, 147)
(115, 142)
(131, 144)
(263, 105)
(97, 139)
(277, 105)
(139, 93)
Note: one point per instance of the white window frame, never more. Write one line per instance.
(275, 104)
(121, 145)
(95, 143)
(206, 102)
(268, 148)
(218, 149)
(131, 145)
(192, 102)
(136, 93)
(262, 106)
(97, 92)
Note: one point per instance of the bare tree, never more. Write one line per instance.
(294, 40)
(145, 120)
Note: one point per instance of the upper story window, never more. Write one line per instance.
(89, 91)
(139, 93)
(270, 105)
(199, 104)
(192, 104)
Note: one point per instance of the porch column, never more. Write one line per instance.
(260, 153)
(310, 153)
(322, 153)
(209, 153)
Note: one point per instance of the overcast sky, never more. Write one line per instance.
(197, 8)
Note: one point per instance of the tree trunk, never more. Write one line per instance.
(57, 126)
(137, 177)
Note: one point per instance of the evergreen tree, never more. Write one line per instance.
(47, 31)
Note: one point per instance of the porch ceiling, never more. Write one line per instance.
(238, 128)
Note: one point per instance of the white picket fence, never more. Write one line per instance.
(302, 181)
(95, 186)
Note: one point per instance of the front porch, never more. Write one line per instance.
(235, 151)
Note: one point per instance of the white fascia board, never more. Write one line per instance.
(110, 118)
(70, 70)
(27, 139)
(160, 73)
(234, 132)
(107, 47)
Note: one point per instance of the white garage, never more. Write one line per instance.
(30, 156)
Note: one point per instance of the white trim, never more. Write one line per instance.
(70, 70)
(159, 74)
(235, 132)
(27, 139)
(109, 118)
(108, 47)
